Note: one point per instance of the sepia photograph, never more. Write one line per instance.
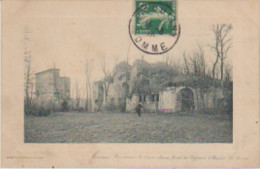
(125, 95)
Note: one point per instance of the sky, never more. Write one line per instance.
(66, 35)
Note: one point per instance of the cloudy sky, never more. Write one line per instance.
(66, 34)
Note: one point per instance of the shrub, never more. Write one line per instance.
(109, 107)
(37, 109)
(30, 108)
(64, 106)
(43, 111)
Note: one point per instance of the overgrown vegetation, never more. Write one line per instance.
(36, 109)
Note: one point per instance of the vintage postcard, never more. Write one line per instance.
(133, 83)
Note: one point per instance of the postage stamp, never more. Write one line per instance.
(153, 27)
(155, 18)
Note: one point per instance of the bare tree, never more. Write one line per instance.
(222, 45)
(176, 66)
(77, 94)
(126, 85)
(88, 72)
(107, 80)
(31, 91)
(28, 73)
(186, 64)
(199, 62)
(28, 79)
(195, 66)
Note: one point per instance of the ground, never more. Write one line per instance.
(75, 127)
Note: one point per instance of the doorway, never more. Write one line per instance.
(185, 100)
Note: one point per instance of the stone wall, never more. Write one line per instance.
(51, 89)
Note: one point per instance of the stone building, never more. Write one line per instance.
(182, 94)
(159, 89)
(50, 87)
(118, 86)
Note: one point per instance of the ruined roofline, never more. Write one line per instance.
(191, 80)
(48, 70)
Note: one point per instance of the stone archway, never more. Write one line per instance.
(185, 99)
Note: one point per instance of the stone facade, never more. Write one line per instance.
(50, 87)
(178, 93)
(118, 88)
(176, 99)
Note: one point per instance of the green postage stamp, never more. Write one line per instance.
(155, 17)
(153, 27)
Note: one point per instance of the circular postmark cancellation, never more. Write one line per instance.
(153, 27)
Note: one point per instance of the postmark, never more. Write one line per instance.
(153, 27)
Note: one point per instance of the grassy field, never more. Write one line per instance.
(74, 127)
